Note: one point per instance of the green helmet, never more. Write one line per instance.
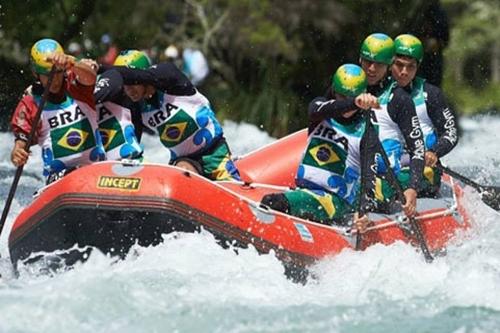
(349, 80)
(409, 45)
(39, 52)
(133, 59)
(378, 47)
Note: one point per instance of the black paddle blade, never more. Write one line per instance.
(491, 196)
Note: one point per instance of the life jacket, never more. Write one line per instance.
(69, 135)
(185, 125)
(390, 135)
(331, 160)
(419, 97)
(117, 131)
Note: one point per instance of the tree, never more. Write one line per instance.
(474, 36)
(268, 58)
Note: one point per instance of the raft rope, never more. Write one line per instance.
(403, 220)
(347, 231)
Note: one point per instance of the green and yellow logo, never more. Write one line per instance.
(173, 132)
(111, 133)
(177, 129)
(327, 156)
(323, 154)
(72, 139)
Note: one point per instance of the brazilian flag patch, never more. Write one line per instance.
(326, 156)
(111, 133)
(72, 139)
(177, 129)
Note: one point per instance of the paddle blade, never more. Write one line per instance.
(491, 196)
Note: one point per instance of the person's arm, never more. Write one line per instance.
(78, 91)
(402, 111)
(21, 124)
(22, 119)
(81, 77)
(109, 87)
(165, 77)
(322, 108)
(444, 120)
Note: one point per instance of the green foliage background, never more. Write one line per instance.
(268, 58)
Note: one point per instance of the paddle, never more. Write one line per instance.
(29, 141)
(362, 205)
(490, 195)
(391, 178)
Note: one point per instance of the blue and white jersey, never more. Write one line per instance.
(185, 124)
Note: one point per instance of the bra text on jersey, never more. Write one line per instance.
(65, 118)
(162, 115)
(330, 133)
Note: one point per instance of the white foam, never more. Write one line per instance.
(190, 284)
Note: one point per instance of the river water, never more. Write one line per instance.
(189, 284)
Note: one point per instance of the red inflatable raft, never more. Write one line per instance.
(113, 205)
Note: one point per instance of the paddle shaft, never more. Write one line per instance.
(29, 142)
(361, 209)
(458, 176)
(391, 177)
(490, 195)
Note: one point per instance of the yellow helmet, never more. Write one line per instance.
(349, 80)
(133, 59)
(410, 46)
(379, 48)
(39, 53)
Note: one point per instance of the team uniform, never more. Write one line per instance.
(67, 133)
(439, 126)
(400, 134)
(437, 120)
(183, 120)
(116, 116)
(328, 176)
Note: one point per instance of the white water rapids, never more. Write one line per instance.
(190, 284)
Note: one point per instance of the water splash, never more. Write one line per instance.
(190, 284)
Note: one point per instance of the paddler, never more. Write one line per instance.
(328, 177)
(397, 122)
(67, 132)
(119, 118)
(437, 120)
(182, 118)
